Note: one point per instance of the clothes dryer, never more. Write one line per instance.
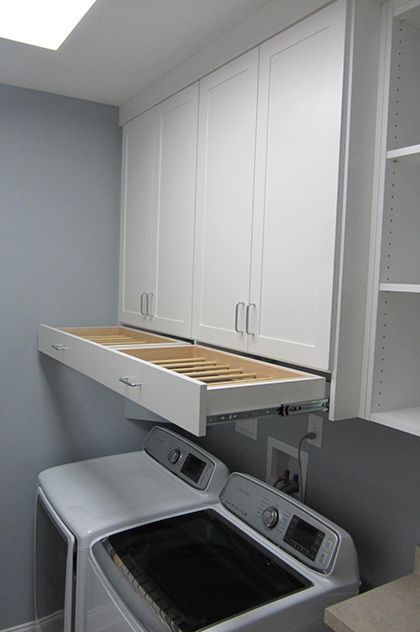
(79, 502)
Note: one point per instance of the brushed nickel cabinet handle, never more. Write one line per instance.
(149, 311)
(60, 347)
(129, 382)
(143, 312)
(237, 306)
(248, 308)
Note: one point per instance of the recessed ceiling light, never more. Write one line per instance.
(44, 23)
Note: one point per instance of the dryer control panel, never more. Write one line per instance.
(184, 459)
(282, 520)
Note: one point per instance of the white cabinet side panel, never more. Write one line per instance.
(298, 151)
(350, 350)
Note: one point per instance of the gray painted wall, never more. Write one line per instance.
(365, 477)
(59, 241)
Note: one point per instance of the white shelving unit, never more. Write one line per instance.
(393, 367)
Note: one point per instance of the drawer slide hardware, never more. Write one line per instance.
(284, 410)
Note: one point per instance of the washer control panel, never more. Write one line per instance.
(180, 457)
(282, 520)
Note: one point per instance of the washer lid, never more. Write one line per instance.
(196, 569)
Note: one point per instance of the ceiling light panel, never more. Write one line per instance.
(44, 23)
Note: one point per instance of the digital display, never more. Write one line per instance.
(304, 537)
(193, 467)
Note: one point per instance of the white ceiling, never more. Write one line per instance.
(122, 46)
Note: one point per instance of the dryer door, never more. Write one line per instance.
(55, 554)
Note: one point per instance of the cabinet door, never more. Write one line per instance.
(170, 302)
(138, 203)
(225, 181)
(297, 169)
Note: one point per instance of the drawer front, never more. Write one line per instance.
(66, 348)
(244, 397)
(172, 396)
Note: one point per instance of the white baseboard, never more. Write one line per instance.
(50, 622)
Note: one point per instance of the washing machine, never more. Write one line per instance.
(78, 502)
(257, 560)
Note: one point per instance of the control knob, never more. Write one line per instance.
(270, 517)
(173, 456)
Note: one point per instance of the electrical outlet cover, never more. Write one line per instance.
(315, 423)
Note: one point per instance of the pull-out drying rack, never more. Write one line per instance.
(190, 385)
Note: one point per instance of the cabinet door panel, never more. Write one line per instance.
(226, 157)
(138, 201)
(171, 306)
(297, 169)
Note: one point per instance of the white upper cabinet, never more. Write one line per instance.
(138, 207)
(296, 197)
(158, 205)
(265, 248)
(247, 207)
(225, 185)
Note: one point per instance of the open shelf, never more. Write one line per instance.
(404, 119)
(396, 385)
(404, 419)
(400, 252)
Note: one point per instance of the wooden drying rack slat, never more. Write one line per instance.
(224, 377)
(188, 366)
(222, 370)
(244, 380)
(202, 366)
(171, 361)
(211, 371)
(109, 340)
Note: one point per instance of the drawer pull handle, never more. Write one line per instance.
(60, 347)
(129, 382)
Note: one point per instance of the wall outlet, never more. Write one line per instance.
(315, 425)
(247, 427)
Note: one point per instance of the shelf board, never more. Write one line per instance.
(412, 288)
(404, 419)
(409, 154)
